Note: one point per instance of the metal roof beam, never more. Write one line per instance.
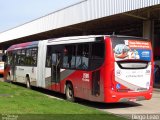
(135, 16)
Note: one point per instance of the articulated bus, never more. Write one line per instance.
(96, 68)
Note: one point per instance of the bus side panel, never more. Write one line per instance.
(109, 70)
(82, 84)
(48, 78)
(20, 73)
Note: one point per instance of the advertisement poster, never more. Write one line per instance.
(132, 49)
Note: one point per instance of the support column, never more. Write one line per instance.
(148, 30)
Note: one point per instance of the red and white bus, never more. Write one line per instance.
(96, 68)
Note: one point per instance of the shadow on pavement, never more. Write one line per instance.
(85, 102)
(108, 105)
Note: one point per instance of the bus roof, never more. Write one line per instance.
(74, 39)
(23, 45)
(64, 40)
(89, 36)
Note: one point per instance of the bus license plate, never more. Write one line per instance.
(132, 99)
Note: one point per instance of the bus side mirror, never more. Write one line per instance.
(4, 58)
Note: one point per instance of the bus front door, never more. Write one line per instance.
(55, 76)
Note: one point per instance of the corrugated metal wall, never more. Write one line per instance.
(84, 11)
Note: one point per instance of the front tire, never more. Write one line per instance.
(69, 92)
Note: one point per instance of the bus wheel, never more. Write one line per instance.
(69, 92)
(28, 82)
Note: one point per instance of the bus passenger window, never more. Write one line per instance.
(28, 57)
(97, 55)
(22, 57)
(10, 58)
(31, 56)
(48, 61)
(69, 58)
(65, 58)
(99, 52)
(34, 56)
(54, 59)
(18, 57)
(82, 57)
(48, 57)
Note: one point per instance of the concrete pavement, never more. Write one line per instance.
(141, 107)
